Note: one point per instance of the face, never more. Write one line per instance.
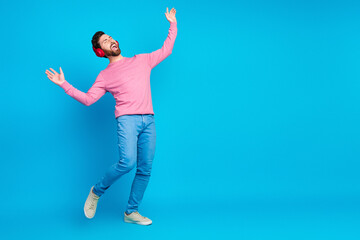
(109, 45)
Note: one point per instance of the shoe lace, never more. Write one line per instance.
(92, 202)
(138, 214)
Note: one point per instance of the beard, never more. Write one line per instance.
(112, 52)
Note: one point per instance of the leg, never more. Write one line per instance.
(145, 156)
(127, 131)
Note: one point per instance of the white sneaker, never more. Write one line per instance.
(91, 204)
(135, 217)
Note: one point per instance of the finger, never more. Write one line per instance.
(61, 72)
(48, 72)
(53, 71)
(167, 10)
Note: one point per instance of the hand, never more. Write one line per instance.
(55, 77)
(170, 16)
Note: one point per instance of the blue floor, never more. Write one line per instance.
(251, 219)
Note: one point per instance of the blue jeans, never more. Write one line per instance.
(136, 140)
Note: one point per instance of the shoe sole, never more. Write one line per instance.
(136, 222)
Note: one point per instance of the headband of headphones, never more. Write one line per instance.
(99, 52)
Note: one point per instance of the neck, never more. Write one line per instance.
(115, 58)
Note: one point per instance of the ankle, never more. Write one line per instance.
(94, 193)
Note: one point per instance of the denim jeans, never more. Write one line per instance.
(136, 141)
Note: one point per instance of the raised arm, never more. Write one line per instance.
(154, 58)
(96, 91)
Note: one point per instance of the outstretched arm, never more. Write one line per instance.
(94, 93)
(159, 55)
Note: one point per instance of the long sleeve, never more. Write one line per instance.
(96, 91)
(154, 58)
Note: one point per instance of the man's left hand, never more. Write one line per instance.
(170, 16)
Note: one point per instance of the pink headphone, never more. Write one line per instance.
(99, 52)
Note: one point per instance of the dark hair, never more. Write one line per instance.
(95, 39)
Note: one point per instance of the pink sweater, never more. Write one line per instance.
(128, 80)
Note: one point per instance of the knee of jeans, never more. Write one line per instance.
(126, 164)
(144, 170)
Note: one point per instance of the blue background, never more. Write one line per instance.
(257, 115)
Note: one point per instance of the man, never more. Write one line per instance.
(128, 80)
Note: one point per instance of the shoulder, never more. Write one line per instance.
(141, 56)
(101, 76)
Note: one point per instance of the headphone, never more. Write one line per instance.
(99, 52)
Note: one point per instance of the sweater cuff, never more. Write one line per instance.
(173, 23)
(65, 85)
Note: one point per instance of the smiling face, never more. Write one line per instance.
(109, 45)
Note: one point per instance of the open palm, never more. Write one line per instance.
(170, 16)
(55, 77)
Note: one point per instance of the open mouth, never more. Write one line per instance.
(114, 47)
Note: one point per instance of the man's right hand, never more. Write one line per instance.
(56, 77)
